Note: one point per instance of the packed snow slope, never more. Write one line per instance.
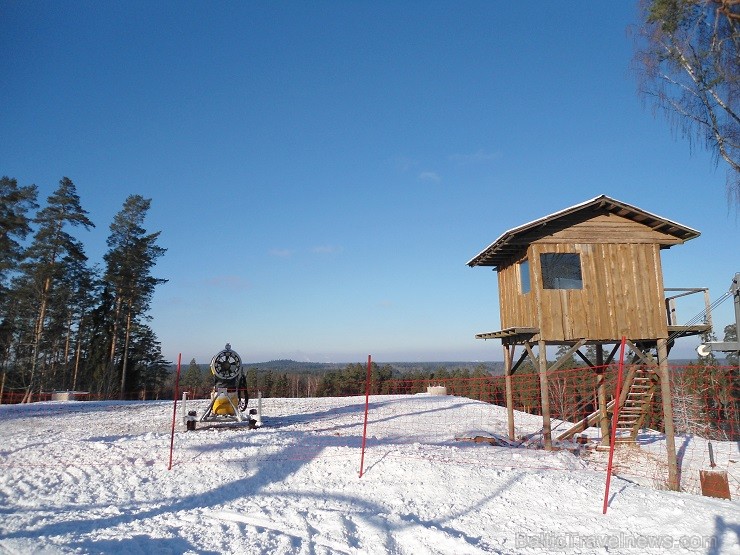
(92, 477)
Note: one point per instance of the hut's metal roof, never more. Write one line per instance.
(515, 240)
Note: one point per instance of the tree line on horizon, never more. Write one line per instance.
(331, 382)
(67, 323)
(705, 391)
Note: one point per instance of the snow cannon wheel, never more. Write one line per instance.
(190, 421)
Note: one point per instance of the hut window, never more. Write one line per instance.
(524, 276)
(561, 271)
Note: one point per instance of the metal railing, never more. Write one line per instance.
(670, 304)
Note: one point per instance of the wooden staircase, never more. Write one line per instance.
(636, 403)
(637, 396)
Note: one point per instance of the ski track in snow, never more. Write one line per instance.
(92, 477)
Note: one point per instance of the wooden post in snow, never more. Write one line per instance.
(508, 361)
(601, 388)
(545, 396)
(665, 394)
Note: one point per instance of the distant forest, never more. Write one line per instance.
(706, 394)
(289, 378)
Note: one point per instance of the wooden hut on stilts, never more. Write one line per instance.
(590, 275)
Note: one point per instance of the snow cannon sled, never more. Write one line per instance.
(229, 397)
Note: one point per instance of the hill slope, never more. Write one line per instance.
(92, 478)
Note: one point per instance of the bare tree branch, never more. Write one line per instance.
(688, 64)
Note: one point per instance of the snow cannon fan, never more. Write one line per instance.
(229, 397)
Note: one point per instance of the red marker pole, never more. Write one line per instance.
(174, 409)
(615, 417)
(367, 404)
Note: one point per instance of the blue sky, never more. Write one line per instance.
(321, 172)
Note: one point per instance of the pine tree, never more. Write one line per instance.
(131, 256)
(149, 370)
(192, 379)
(281, 387)
(15, 203)
(52, 253)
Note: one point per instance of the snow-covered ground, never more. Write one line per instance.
(92, 477)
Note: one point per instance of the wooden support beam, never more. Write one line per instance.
(545, 396)
(584, 359)
(518, 362)
(665, 394)
(602, 362)
(611, 355)
(508, 371)
(639, 353)
(587, 422)
(535, 360)
(558, 363)
(601, 394)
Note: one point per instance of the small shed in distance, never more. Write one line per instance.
(588, 274)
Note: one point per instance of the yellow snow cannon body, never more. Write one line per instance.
(224, 404)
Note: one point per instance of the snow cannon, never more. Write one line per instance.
(229, 397)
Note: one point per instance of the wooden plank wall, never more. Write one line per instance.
(622, 285)
(517, 310)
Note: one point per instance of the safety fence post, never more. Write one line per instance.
(367, 404)
(174, 409)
